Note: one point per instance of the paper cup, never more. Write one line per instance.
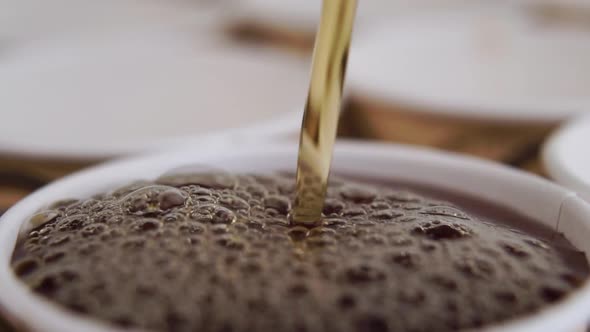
(565, 159)
(531, 196)
(159, 97)
(485, 61)
(293, 23)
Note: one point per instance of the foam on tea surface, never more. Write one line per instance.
(216, 252)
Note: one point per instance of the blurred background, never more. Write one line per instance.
(82, 81)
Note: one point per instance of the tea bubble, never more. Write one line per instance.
(153, 200)
(199, 175)
(43, 218)
(218, 252)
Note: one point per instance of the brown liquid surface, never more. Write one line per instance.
(216, 253)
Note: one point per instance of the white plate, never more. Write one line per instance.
(529, 195)
(566, 156)
(112, 97)
(484, 61)
(23, 21)
(303, 15)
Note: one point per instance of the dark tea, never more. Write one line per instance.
(217, 252)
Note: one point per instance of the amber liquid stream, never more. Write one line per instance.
(320, 120)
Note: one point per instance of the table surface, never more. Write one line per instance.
(515, 146)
